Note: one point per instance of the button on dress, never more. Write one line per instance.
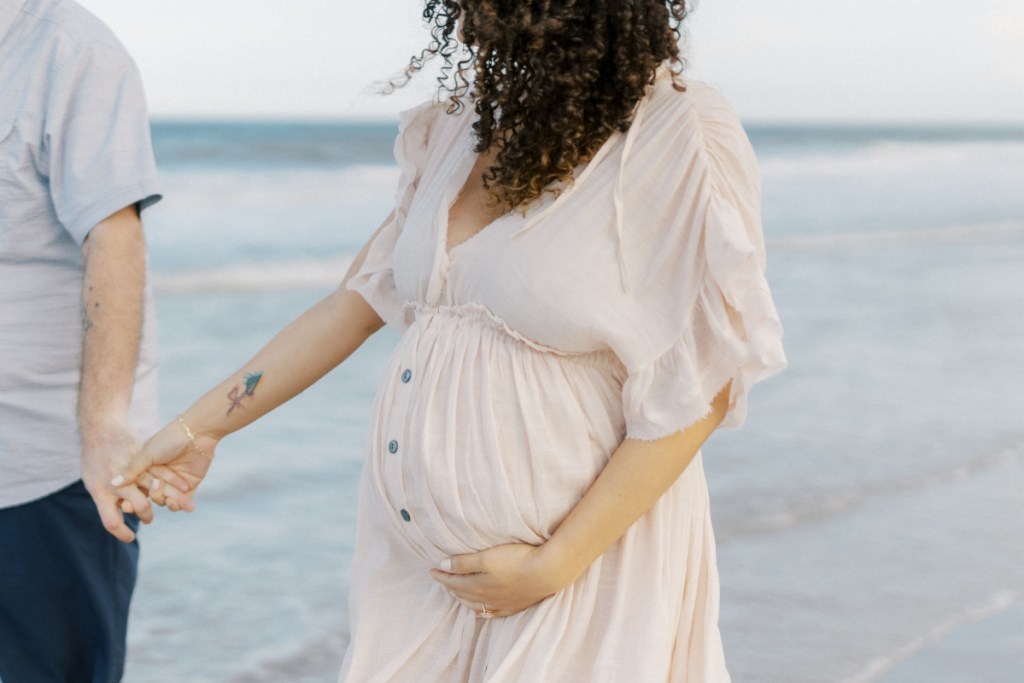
(616, 307)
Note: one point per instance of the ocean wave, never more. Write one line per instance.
(837, 502)
(312, 660)
(200, 189)
(300, 274)
(995, 604)
(887, 158)
(955, 234)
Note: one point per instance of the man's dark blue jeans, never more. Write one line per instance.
(65, 588)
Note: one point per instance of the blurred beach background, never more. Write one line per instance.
(869, 515)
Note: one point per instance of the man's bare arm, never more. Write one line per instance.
(112, 310)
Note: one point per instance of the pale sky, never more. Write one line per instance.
(788, 60)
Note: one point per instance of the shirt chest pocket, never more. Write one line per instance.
(6, 133)
(7, 143)
(24, 191)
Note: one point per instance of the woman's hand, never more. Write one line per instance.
(502, 580)
(507, 579)
(171, 467)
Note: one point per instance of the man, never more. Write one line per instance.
(77, 340)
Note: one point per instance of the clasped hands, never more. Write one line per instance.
(166, 470)
(123, 478)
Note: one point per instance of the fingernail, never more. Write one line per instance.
(445, 565)
(118, 480)
(183, 488)
(156, 484)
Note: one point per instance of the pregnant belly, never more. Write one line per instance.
(481, 439)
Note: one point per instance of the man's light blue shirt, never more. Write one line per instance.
(74, 149)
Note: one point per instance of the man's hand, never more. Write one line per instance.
(106, 450)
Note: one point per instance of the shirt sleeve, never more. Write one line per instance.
(375, 280)
(713, 318)
(97, 139)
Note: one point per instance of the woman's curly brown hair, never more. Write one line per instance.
(553, 78)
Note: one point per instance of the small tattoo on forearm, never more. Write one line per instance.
(240, 392)
(86, 320)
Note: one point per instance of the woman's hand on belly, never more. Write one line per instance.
(502, 580)
(507, 579)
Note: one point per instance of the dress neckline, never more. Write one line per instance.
(465, 148)
(466, 160)
(450, 201)
(540, 208)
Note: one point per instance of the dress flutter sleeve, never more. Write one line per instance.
(712, 318)
(375, 279)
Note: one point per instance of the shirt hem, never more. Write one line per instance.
(37, 493)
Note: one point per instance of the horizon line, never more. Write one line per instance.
(387, 120)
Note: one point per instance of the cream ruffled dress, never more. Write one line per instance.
(615, 310)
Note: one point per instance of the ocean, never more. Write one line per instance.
(869, 515)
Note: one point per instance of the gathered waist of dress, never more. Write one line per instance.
(475, 313)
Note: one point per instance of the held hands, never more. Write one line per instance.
(107, 448)
(503, 580)
(170, 466)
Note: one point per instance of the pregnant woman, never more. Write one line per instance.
(576, 263)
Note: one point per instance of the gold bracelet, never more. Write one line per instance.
(192, 437)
